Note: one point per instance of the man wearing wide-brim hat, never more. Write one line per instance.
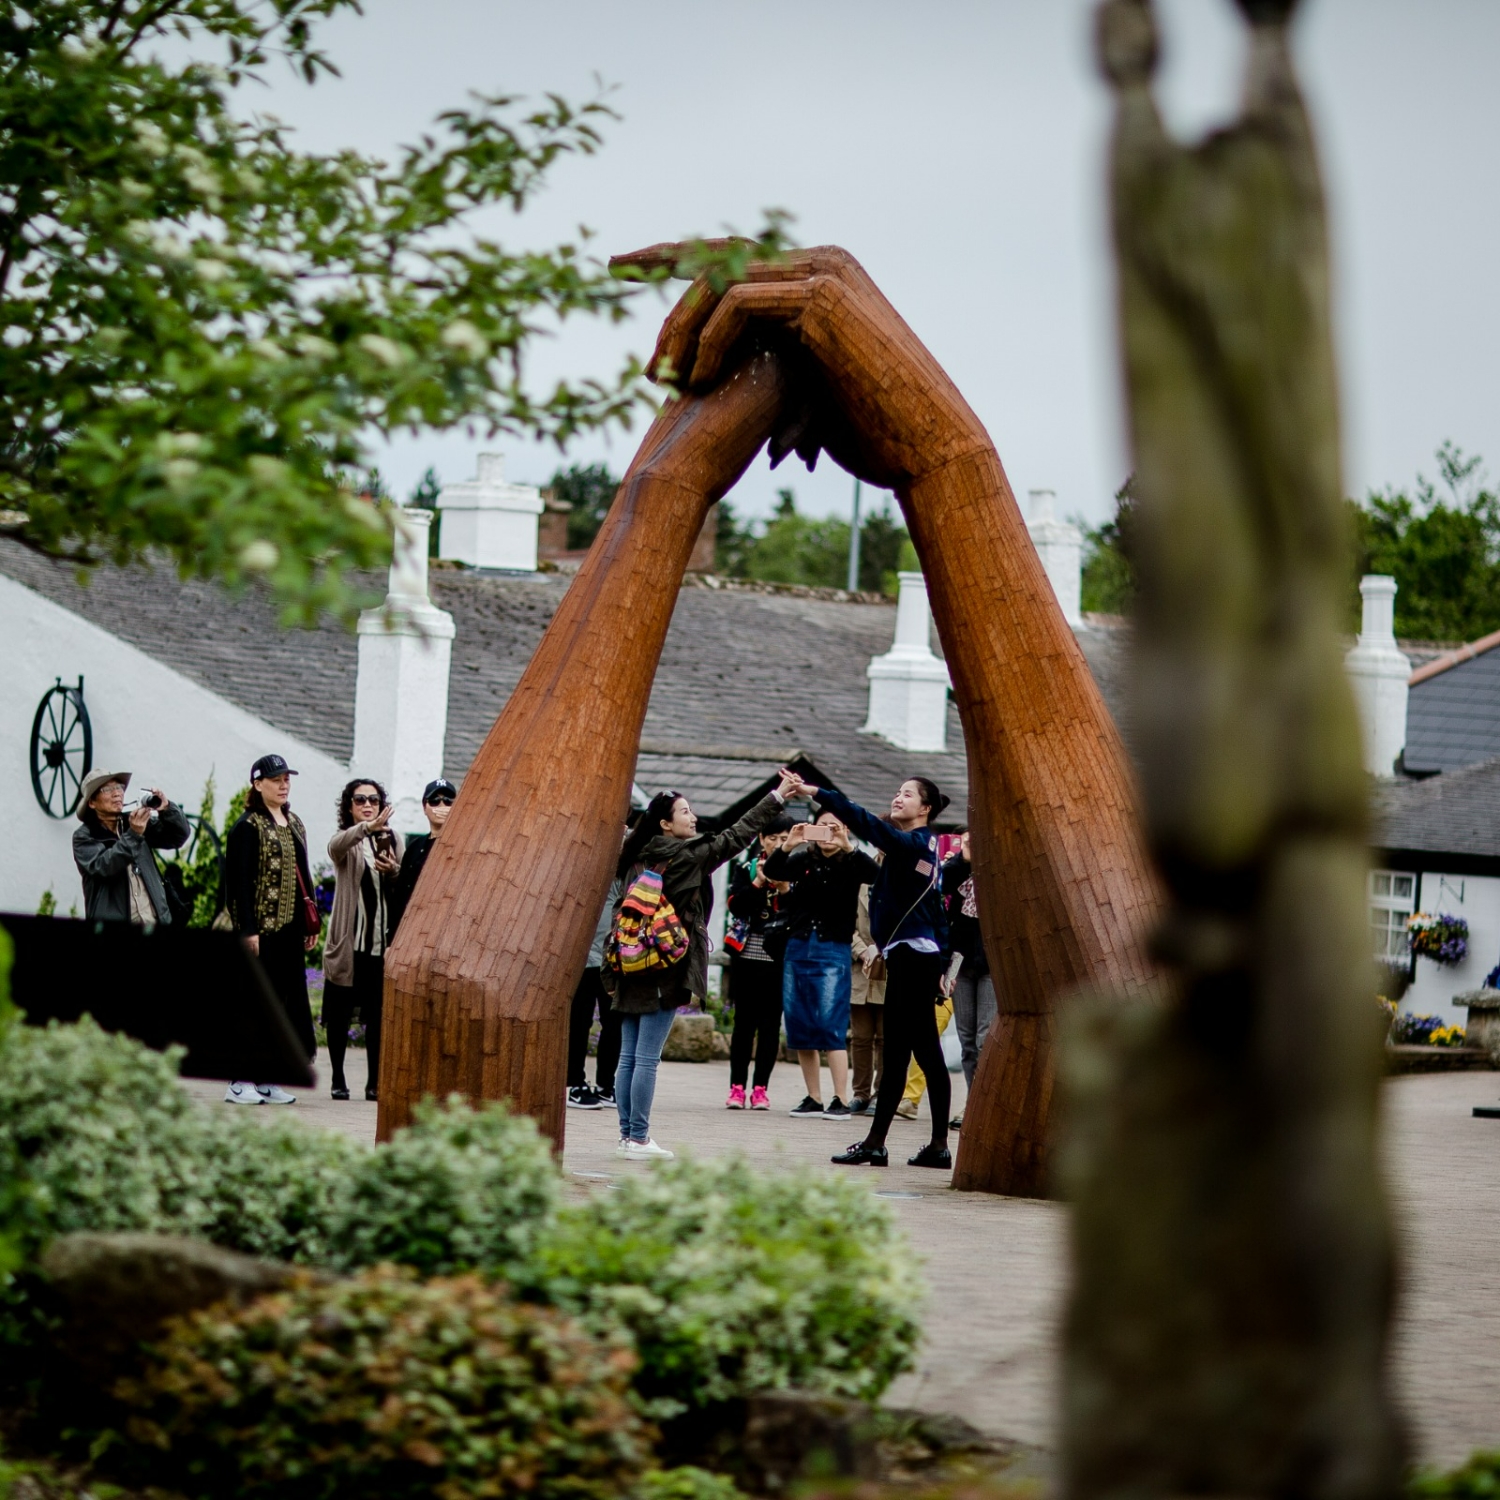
(112, 850)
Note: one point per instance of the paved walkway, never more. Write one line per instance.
(998, 1266)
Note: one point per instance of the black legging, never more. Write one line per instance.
(340, 1001)
(755, 992)
(911, 992)
(589, 994)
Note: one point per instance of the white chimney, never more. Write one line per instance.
(488, 523)
(401, 693)
(1378, 673)
(1060, 547)
(909, 685)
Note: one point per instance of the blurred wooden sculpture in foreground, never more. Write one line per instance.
(1228, 1325)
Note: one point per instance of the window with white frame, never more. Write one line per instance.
(1392, 901)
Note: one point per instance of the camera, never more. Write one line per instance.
(150, 799)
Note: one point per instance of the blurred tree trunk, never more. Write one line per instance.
(1228, 1325)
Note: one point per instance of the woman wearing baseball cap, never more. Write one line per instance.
(270, 899)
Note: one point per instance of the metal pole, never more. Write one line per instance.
(854, 544)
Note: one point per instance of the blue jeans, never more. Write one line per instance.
(815, 984)
(641, 1041)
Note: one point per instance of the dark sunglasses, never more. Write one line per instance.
(365, 797)
(440, 802)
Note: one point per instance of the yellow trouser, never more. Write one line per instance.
(916, 1079)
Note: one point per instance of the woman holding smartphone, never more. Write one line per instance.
(366, 856)
(910, 927)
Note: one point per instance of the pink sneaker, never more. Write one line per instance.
(736, 1099)
(759, 1098)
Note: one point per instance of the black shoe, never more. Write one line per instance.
(858, 1106)
(931, 1155)
(837, 1110)
(860, 1154)
(956, 1123)
(809, 1106)
(605, 1096)
(341, 1093)
(583, 1097)
(371, 1095)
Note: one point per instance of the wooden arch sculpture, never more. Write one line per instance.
(806, 354)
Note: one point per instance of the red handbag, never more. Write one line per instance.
(311, 916)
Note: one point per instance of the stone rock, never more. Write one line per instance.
(691, 1039)
(796, 1435)
(721, 1047)
(113, 1291)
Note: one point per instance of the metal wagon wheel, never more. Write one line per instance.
(62, 749)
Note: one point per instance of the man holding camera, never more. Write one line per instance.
(112, 850)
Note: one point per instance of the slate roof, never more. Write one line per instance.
(746, 677)
(1453, 710)
(1449, 822)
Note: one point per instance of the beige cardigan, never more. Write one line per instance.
(862, 989)
(346, 851)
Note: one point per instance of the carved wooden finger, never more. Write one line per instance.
(480, 975)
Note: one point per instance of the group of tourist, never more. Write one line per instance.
(808, 912)
(841, 948)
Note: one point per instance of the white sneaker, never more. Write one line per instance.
(273, 1094)
(635, 1151)
(242, 1093)
(623, 1149)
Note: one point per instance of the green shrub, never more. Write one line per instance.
(732, 1281)
(1478, 1479)
(686, 1483)
(460, 1188)
(386, 1385)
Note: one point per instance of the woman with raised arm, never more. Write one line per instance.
(667, 840)
(910, 927)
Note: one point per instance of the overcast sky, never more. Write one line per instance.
(956, 148)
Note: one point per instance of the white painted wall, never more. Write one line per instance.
(147, 719)
(1476, 898)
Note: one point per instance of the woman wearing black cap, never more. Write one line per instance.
(270, 899)
(910, 927)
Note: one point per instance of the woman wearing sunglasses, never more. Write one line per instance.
(366, 856)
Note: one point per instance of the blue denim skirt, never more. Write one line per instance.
(815, 994)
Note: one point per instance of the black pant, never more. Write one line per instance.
(911, 993)
(755, 991)
(588, 995)
(340, 1001)
(284, 960)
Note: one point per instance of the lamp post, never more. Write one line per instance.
(854, 544)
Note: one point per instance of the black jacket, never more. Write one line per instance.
(751, 903)
(104, 860)
(418, 847)
(824, 898)
(686, 865)
(963, 932)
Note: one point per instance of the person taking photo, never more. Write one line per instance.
(437, 803)
(826, 872)
(112, 849)
(366, 856)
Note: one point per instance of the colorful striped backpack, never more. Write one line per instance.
(646, 933)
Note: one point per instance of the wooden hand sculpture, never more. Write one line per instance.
(479, 977)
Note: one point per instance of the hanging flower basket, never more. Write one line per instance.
(1442, 938)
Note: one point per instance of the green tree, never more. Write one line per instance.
(1441, 546)
(1109, 558)
(590, 490)
(793, 548)
(202, 329)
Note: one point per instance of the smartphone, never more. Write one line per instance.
(385, 841)
(818, 833)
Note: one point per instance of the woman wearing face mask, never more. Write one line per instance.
(366, 857)
(826, 872)
(667, 839)
(270, 886)
(910, 926)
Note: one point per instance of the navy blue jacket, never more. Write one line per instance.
(906, 898)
